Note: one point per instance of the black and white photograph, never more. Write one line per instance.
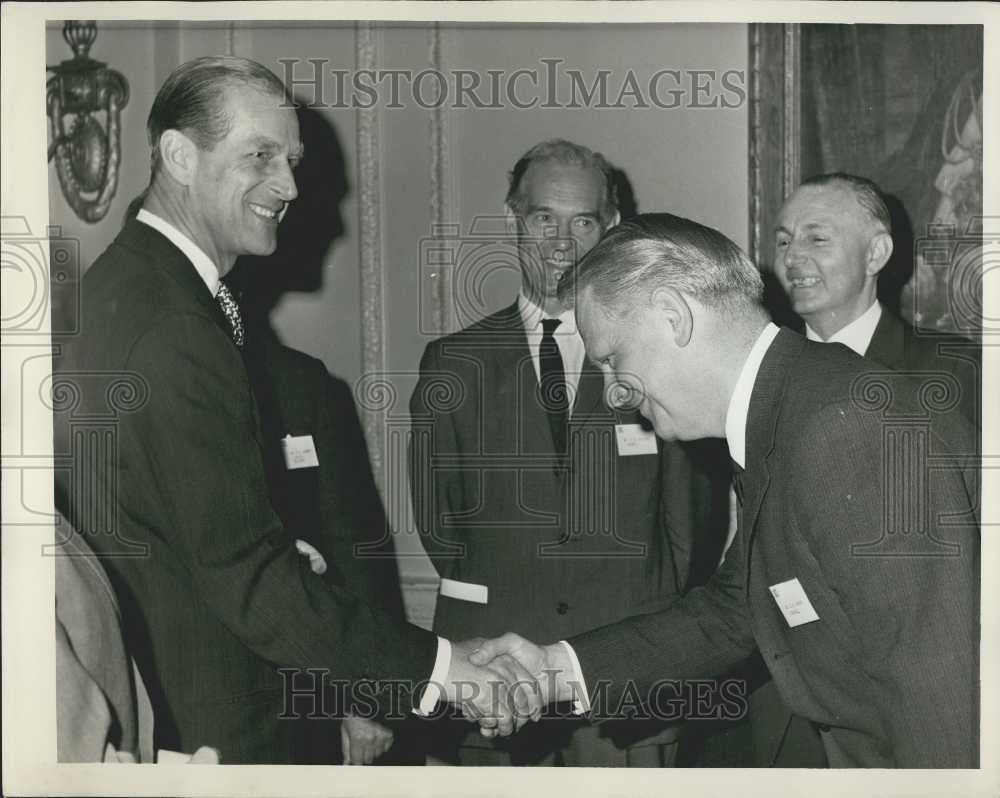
(397, 388)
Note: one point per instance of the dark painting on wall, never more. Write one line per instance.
(901, 105)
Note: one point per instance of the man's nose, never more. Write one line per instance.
(794, 252)
(283, 182)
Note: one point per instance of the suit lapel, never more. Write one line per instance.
(157, 250)
(512, 383)
(589, 394)
(888, 344)
(765, 406)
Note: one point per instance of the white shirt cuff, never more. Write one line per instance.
(581, 704)
(432, 692)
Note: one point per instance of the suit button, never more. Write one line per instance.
(562, 607)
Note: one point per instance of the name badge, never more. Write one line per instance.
(464, 591)
(299, 451)
(793, 603)
(634, 439)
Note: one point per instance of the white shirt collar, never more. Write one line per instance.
(857, 335)
(532, 316)
(739, 402)
(207, 270)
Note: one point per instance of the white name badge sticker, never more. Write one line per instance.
(299, 451)
(464, 591)
(793, 603)
(634, 439)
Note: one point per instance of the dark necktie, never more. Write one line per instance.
(738, 481)
(232, 312)
(553, 384)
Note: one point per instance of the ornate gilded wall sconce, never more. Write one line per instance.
(86, 154)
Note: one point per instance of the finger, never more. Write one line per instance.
(525, 688)
(345, 745)
(491, 648)
(487, 732)
(516, 700)
(505, 726)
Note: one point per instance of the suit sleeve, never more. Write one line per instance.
(916, 617)
(436, 490)
(701, 635)
(198, 431)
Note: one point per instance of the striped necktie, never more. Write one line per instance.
(232, 312)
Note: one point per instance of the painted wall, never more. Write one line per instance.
(448, 165)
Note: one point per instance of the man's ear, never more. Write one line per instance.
(179, 156)
(673, 309)
(510, 218)
(878, 253)
(615, 221)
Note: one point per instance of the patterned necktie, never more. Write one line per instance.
(232, 311)
(553, 384)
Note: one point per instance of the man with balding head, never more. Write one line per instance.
(855, 579)
(544, 509)
(834, 238)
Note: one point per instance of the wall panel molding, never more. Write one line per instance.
(442, 311)
(373, 415)
(774, 130)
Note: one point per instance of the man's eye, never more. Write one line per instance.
(819, 239)
(586, 224)
(260, 155)
(782, 242)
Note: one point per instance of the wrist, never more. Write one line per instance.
(562, 683)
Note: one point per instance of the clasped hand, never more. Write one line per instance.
(505, 682)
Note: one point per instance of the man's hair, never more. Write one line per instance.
(193, 99)
(564, 152)
(866, 192)
(659, 250)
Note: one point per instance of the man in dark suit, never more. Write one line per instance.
(832, 244)
(834, 239)
(855, 578)
(331, 506)
(544, 509)
(215, 597)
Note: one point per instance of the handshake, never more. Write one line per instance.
(503, 683)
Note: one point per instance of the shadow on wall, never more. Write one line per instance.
(311, 225)
(628, 205)
(898, 271)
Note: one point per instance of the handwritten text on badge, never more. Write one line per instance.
(793, 603)
(299, 451)
(633, 439)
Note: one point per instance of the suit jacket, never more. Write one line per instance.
(98, 699)
(561, 544)
(900, 347)
(335, 506)
(897, 346)
(170, 486)
(889, 671)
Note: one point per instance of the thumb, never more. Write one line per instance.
(489, 649)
